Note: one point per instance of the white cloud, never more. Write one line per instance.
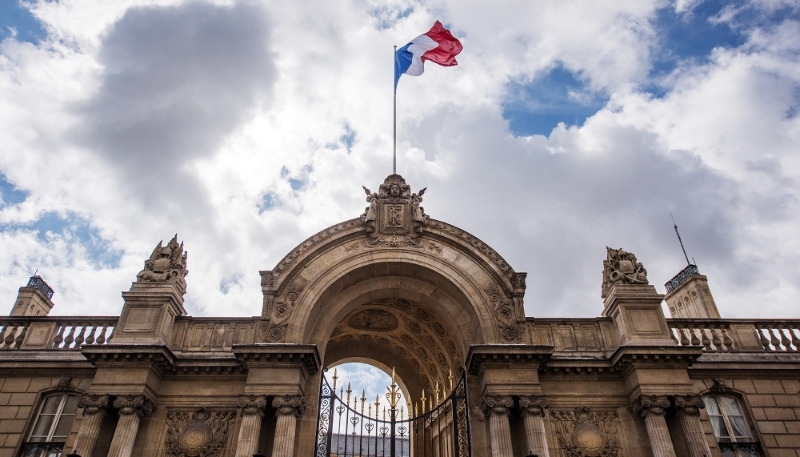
(150, 120)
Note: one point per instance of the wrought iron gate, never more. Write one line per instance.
(435, 430)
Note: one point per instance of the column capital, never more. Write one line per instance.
(289, 404)
(650, 405)
(94, 404)
(496, 404)
(689, 404)
(252, 404)
(533, 405)
(134, 404)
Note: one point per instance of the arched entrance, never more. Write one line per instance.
(397, 289)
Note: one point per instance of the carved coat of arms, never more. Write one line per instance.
(394, 216)
(201, 433)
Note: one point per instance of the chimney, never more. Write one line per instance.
(34, 299)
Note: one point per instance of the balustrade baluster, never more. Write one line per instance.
(706, 341)
(6, 328)
(795, 339)
(672, 334)
(774, 340)
(113, 329)
(785, 341)
(716, 339)
(9, 340)
(101, 337)
(695, 341)
(764, 340)
(726, 340)
(79, 339)
(90, 338)
(684, 339)
(59, 338)
(69, 338)
(21, 337)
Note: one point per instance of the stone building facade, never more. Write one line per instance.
(406, 292)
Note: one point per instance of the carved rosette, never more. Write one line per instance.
(251, 404)
(289, 404)
(586, 433)
(650, 404)
(496, 404)
(533, 405)
(201, 433)
(689, 405)
(134, 404)
(93, 404)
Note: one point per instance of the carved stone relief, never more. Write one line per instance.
(586, 433)
(201, 433)
(504, 311)
(166, 264)
(394, 217)
(621, 267)
(373, 319)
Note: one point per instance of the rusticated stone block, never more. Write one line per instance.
(4, 399)
(24, 412)
(768, 441)
(787, 400)
(792, 427)
(788, 441)
(745, 385)
(7, 452)
(16, 385)
(758, 414)
(779, 414)
(782, 453)
(771, 427)
(8, 412)
(13, 439)
(768, 386)
(39, 384)
(12, 426)
(22, 399)
(761, 400)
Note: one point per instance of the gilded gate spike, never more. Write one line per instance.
(348, 393)
(437, 392)
(450, 377)
(363, 399)
(416, 409)
(334, 379)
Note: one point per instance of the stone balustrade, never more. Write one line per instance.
(55, 333)
(574, 335)
(212, 334)
(737, 335)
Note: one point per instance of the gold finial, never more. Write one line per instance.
(451, 379)
(377, 405)
(363, 399)
(401, 413)
(348, 393)
(334, 379)
(416, 409)
(394, 393)
(384, 413)
(424, 401)
(369, 410)
(408, 403)
(430, 403)
(437, 392)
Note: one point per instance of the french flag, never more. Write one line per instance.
(437, 45)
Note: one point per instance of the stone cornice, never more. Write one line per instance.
(507, 355)
(130, 355)
(278, 354)
(627, 357)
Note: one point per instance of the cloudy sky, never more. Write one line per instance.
(247, 126)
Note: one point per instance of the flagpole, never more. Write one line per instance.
(394, 118)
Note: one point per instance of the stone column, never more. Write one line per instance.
(533, 413)
(252, 413)
(131, 409)
(689, 417)
(651, 408)
(289, 408)
(496, 408)
(94, 411)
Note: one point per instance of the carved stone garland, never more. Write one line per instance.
(586, 433)
(201, 433)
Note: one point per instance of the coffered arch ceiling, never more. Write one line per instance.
(403, 334)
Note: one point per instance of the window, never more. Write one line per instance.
(51, 426)
(730, 426)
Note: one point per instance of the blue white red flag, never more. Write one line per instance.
(437, 45)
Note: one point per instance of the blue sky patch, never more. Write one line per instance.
(15, 17)
(99, 250)
(536, 107)
(268, 201)
(9, 194)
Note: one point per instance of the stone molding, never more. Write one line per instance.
(289, 404)
(483, 356)
(134, 404)
(278, 355)
(689, 404)
(496, 404)
(93, 403)
(252, 404)
(533, 405)
(650, 405)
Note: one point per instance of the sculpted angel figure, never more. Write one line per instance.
(418, 212)
(370, 212)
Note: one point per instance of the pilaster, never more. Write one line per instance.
(288, 409)
(533, 414)
(496, 408)
(252, 407)
(653, 410)
(688, 411)
(131, 409)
